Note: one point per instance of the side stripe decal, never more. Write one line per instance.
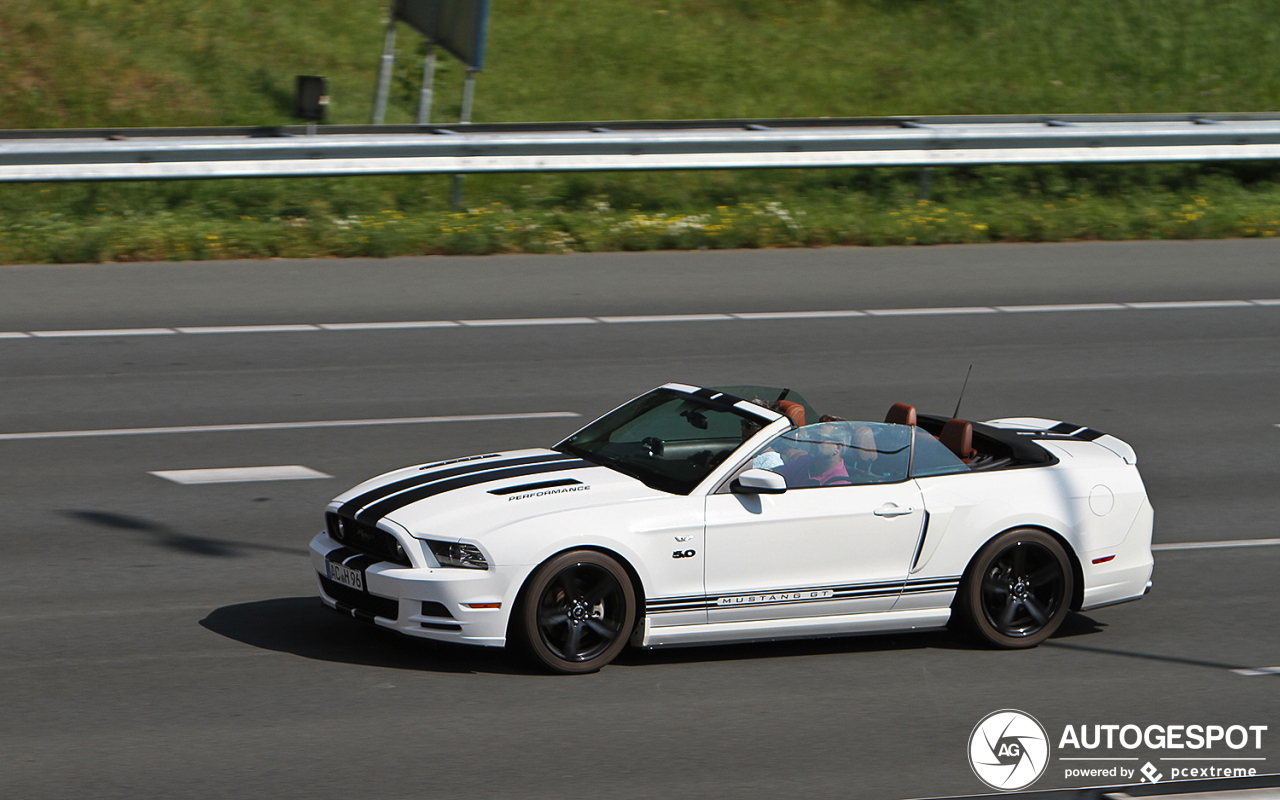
(353, 506)
(380, 509)
(857, 591)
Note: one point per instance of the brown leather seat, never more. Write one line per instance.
(957, 435)
(901, 414)
(793, 410)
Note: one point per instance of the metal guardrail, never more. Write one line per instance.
(183, 153)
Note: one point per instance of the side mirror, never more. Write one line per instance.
(758, 481)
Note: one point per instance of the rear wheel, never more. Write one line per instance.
(576, 612)
(1017, 590)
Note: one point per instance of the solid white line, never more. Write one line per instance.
(1257, 671)
(650, 318)
(291, 472)
(285, 426)
(1217, 545)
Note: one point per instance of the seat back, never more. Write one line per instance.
(957, 435)
(901, 414)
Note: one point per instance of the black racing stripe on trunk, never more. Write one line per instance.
(352, 506)
(1063, 427)
(378, 510)
(1089, 434)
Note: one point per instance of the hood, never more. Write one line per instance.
(467, 497)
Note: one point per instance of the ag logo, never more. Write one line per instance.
(1008, 750)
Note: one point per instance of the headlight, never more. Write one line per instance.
(458, 554)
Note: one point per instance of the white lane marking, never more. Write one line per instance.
(650, 318)
(285, 426)
(1068, 307)
(386, 326)
(669, 318)
(929, 312)
(1193, 304)
(107, 332)
(1257, 671)
(249, 329)
(798, 314)
(1216, 545)
(481, 323)
(291, 472)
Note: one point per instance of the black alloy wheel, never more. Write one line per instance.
(1017, 590)
(577, 612)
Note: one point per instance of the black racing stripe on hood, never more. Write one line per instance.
(378, 510)
(352, 507)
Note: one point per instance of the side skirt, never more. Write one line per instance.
(798, 628)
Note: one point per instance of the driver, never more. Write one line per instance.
(824, 465)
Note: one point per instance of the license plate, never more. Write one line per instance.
(345, 575)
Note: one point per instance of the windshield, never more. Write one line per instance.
(667, 439)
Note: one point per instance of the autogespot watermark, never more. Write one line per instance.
(1010, 750)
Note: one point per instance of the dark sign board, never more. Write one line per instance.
(459, 26)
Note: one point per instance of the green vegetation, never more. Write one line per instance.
(118, 63)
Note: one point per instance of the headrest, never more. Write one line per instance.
(793, 410)
(957, 435)
(901, 414)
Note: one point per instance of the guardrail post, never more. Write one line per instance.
(427, 94)
(468, 97)
(384, 73)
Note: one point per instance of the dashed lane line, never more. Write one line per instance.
(645, 318)
(291, 472)
(284, 426)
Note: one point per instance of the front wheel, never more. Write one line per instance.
(1017, 590)
(576, 612)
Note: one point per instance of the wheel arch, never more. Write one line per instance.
(637, 585)
(1077, 571)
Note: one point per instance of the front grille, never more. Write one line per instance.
(367, 539)
(383, 607)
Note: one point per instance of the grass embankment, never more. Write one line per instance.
(91, 63)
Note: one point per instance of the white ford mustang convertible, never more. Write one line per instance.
(693, 516)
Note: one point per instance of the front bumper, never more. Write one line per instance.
(429, 603)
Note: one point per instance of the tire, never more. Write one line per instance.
(1017, 589)
(576, 612)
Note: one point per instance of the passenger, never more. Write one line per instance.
(824, 465)
(863, 442)
(767, 458)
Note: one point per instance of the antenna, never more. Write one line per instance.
(956, 413)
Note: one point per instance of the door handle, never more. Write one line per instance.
(893, 510)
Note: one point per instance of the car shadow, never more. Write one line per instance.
(305, 627)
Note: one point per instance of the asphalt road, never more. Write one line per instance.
(164, 640)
